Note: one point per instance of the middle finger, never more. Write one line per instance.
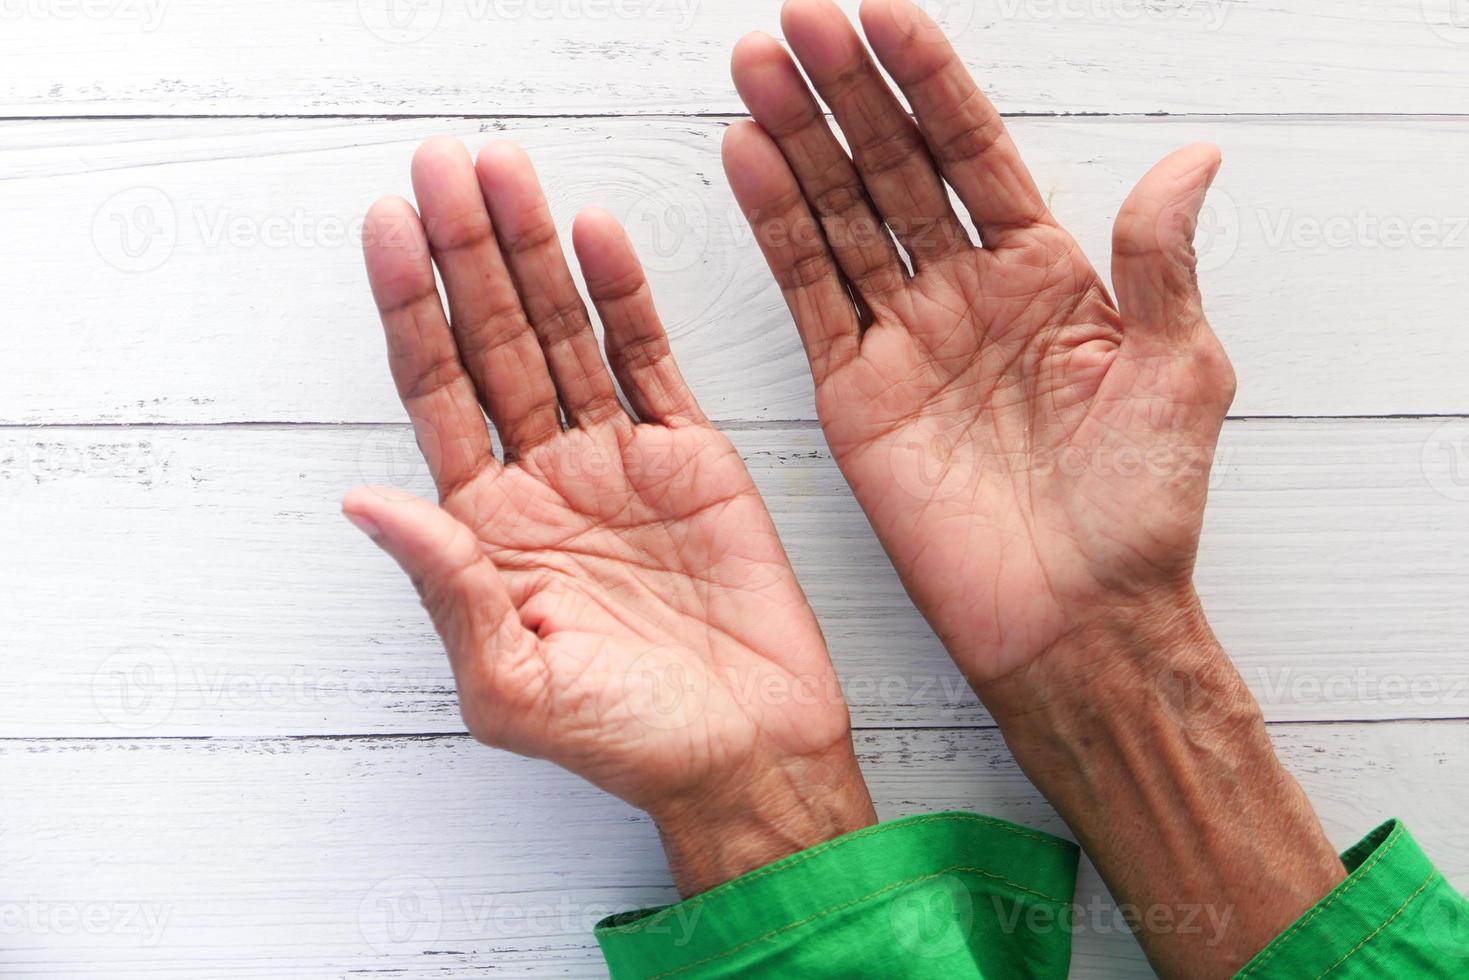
(887, 147)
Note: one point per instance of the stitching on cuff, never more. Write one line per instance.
(795, 859)
(1280, 941)
(852, 904)
(1385, 923)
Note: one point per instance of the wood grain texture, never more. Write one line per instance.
(197, 581)
(581, 56)
(438, 858)
(209, 271)
(228, 738)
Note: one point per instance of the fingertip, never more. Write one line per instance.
(768, 81)
(1213, 158)
(908, 42)
(594, 220)
(436, 155)
(373, 500)
(1195, 157)
(740, 137)
(1182, 179)
(819, 32)
(384, 513)
(800, 13)
(883, 21)
(395, 250)
(390, 221)
(389, 207)
(751, 159)
(357, 509)
(376, 511)
(875, 14)
(594, 228)
(501, 156)
(751, 50)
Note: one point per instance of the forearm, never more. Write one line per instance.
(1140, 731)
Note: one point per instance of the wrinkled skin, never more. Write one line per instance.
(1027, 451)
(612, 594)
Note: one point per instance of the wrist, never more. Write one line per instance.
(1140, 731)
(776, 811)
(1155, 651)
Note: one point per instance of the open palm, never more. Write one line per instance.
(1026, 451)
(612, 594)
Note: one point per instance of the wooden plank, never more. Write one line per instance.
(582, 56)
(217, 261)
(435, 857)
(199, 581)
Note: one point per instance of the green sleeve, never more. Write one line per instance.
(949, 895)
(1393, 916)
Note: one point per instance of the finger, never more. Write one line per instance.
(962, 129)
(637, 346)
(886, 146)
(495, 340)
(772, 89)
(527, 236)
(431, 381)
(1153, 265)
(459, 586)
(793, 246)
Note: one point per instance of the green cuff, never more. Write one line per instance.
(1393, 916)
(951, 895)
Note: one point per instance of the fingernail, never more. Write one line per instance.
(365, 524)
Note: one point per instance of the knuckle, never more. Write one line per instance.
(973, 138)
(561, 322)
(639, 353)
(889, 151)
(804, 271)
(433, 376)
(532, 238)
(839, 197)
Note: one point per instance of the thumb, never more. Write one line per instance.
(459, 586)
(1153, 264)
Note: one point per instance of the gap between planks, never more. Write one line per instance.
(465, 736)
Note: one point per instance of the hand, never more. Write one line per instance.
(612, 595)
(1033, 456)
(1027, 451)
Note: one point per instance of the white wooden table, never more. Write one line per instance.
(228, 740)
